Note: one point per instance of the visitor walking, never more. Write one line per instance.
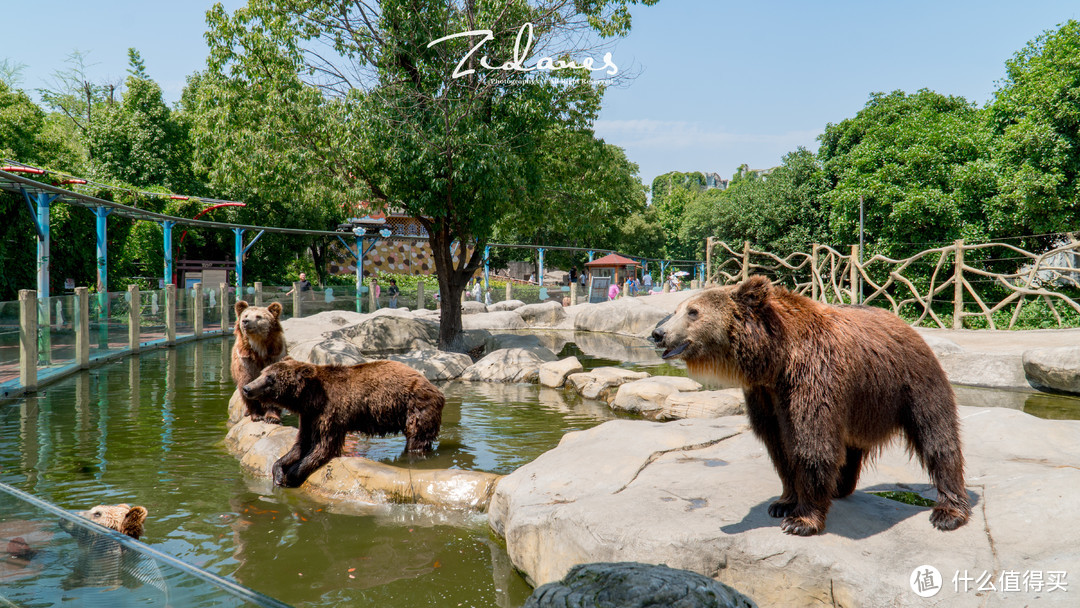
(392, 292)
(302, 284)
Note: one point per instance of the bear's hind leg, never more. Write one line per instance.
(849, 473)
(936, 441)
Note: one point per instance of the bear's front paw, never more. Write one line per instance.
(272, 418)
(781, 508)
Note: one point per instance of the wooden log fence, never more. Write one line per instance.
(828, 275)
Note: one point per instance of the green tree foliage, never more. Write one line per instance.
(457, 151)
(778, 212)
(588, 189)
(139, 142)
(912, 158)
(1035, 121)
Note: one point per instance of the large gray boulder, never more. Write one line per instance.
(647, 396)
(435, 364)
(629, 316)
(472, 307)
(702, 404)
(509, 365)
(506, 305)
(554, 374)
(634, 585)
(389, 334)
(333, 351)
(493, 321)
(602, 382)
(1057, 369)
(544, 314)
(356, 480)
(694, 494)
(992, 370)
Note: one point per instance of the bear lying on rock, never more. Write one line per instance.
(826, 387)
(377, 398)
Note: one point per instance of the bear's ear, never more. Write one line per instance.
(275, 309)
(133, 522)
(240, 306)
(753, 291)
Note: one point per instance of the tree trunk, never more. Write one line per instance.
(452, 281)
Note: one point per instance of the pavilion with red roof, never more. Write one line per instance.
(613, 265)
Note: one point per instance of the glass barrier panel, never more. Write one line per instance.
(57, 558)
(152, 316)
(56, 331)
(185, 312)
(9, 341)
(211, 308)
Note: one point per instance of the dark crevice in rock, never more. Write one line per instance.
(686, 448)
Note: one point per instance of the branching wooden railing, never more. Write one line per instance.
(975, 273)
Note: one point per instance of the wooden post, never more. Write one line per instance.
(258, 294)
(196, 290)
(745, 274)
(708, 260)
(374, 302)
(297, 310)
(82, 327)
(420, 303)
(28, 339)
(170, 314)
(134, 314)
(508, 291)
(814, 294)
(853, 278)
(958, 286)
(225, 308)
(573, 293)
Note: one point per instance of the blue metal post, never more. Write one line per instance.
(591, 254)
(167, 226)
(239, 232)
(41, 221)
(487, 265)
(101, 214)
(541, 251)
(360, 271)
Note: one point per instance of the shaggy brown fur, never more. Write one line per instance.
(377, 398)
(260, 341)
(122, 518)
(826, 387)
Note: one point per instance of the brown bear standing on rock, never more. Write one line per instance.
(377, 398)
(260, 341)
(826, 387)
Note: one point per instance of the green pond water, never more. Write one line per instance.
(150, 430)
(93, 439)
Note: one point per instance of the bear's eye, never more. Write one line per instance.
(692, 314)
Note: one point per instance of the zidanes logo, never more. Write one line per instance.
(521, 55)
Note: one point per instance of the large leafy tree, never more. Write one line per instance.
(1035, 119)
(414, 123)
(588, 188)
(914, 160)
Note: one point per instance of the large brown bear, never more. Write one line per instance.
(377, 398)
(260, 341)
(826, 387)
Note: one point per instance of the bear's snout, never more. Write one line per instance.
(658, 336)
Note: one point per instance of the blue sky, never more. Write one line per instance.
(720, 83)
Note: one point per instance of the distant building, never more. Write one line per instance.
(713, 180)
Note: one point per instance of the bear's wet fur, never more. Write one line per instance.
(826, 388)
(377, 398)
(260, 341)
